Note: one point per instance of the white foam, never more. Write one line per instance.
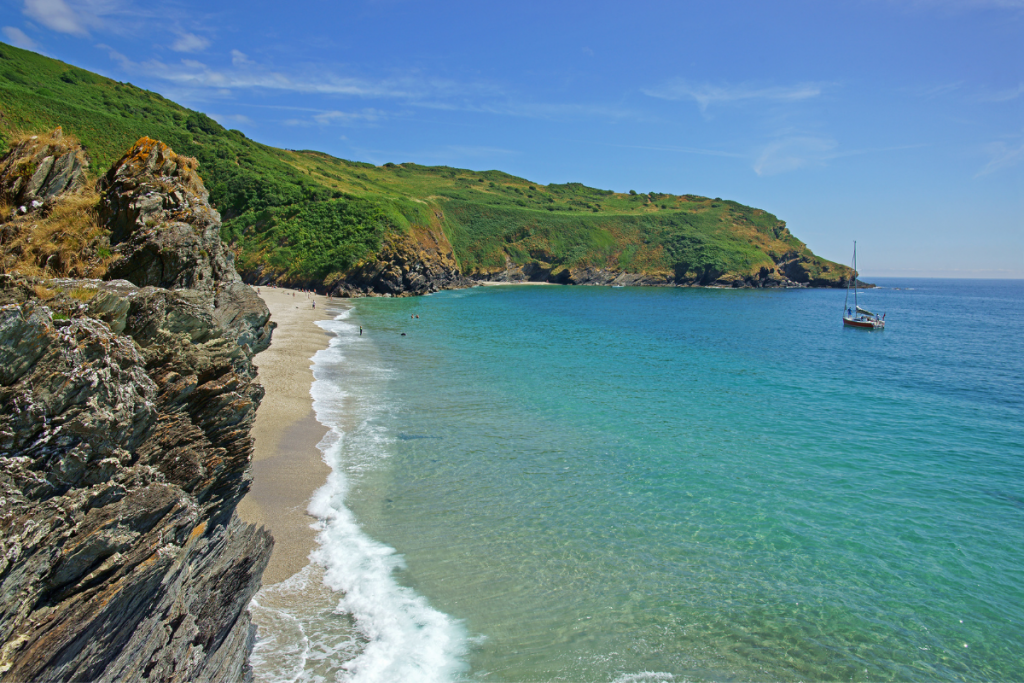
(405, 639)
(282, 646)
(645, 677)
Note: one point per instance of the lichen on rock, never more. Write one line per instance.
(166, 234)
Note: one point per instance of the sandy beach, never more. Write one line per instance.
(287, 466)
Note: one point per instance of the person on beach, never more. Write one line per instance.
(360, 330)
(314, 305)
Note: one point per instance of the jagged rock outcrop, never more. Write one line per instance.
(40, 168)
(166, 234)
(124, 448)
(407, 265)
(125, 418)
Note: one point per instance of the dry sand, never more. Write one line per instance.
(287, 466)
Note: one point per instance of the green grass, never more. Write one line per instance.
(307, 216)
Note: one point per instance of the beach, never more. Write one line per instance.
(287, 466)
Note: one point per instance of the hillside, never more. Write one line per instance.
(304, 217)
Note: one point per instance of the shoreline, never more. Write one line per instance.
(287, 466)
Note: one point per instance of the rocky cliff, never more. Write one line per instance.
(125, 415)
(421, 262)
(790, 270)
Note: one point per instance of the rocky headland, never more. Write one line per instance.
(126, 405)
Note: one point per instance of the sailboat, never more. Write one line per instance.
(857, 316)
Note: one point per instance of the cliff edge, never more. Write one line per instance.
(125, 444)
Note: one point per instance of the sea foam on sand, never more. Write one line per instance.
(345, 617)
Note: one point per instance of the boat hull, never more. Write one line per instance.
(864, 324)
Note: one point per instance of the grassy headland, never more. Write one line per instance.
(305, 216)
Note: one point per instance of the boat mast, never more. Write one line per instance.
(855, 305)
(846, 302)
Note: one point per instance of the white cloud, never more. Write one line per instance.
(245, 74)
(792, 153)
(17, 38)
(116, 56)
(232, 119)
(238, 58)
(200, 78)
(1004, 95)
(345, 117)
(75, 17)
(931, 91)
(56, 15)
(1001, 156)
(190, 42)
(705, 94)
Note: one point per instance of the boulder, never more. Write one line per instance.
(40, 168)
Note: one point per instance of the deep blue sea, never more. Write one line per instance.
(594, 484)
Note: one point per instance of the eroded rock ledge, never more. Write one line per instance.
(125, 415)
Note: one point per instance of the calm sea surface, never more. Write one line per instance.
(596, 484)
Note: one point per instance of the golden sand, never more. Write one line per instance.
(287, 466)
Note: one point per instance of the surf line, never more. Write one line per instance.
(406, 638)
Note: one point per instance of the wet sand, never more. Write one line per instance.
(287, 466)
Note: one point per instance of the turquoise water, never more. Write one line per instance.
(639, 484)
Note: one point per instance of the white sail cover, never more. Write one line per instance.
(864, 311)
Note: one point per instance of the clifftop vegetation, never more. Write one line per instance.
(305, 216)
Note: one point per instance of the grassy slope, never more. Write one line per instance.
(308, 216)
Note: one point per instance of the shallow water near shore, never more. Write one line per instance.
(638, 484)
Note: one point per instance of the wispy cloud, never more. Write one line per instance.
(414, 88)
(1005, 95)
(239, 58)
(932, 91)
(73, 17)
(190, 42)
(1002, 155)
(245, 74)
(17, 38)
(794, 152)
(706, 94)
(345, 117)
(681, 150)
(960, 5)
(335, 117)
(232, 119)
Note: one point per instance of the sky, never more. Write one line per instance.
(896, 123)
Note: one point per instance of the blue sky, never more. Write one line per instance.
(898, 123)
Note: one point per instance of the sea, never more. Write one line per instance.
(636, 485)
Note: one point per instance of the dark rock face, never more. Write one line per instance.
(125, 446)
(122, 457)
(168, 235)
(407, 265)
(538, 272)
